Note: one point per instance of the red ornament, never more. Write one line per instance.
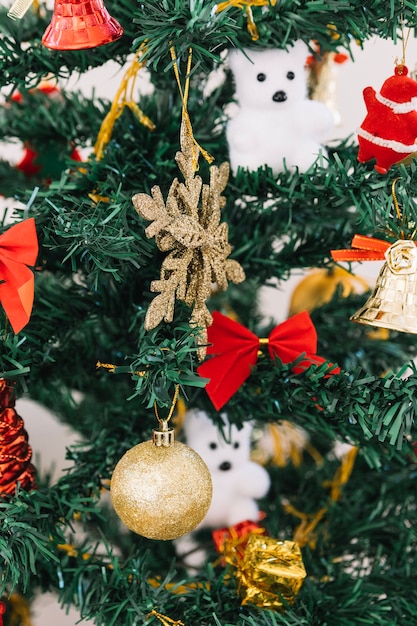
(235, 349)
(32, 162)
(31, 165)
(80, 24)
(389, 131)
(238, 535)
(15, 452)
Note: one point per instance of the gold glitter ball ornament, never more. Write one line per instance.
(161, 489)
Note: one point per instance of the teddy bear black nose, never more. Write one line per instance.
(225, 466)
(279, 96)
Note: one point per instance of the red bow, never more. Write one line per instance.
(18, 249)
(235, 350)
(363, 249)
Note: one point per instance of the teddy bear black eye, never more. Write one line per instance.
(290, 75)
(236, 444)
(213, 446)
(261, 77)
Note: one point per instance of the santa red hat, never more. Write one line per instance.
(399, 91)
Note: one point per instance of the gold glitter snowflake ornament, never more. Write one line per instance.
(188, 226)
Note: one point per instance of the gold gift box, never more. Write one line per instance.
(271, 572)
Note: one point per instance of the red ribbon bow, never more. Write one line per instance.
(235, 350)
(363, 249)
(18, 249)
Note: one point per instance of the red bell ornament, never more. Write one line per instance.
(80, 24)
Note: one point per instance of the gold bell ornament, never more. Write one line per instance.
(393, 303)
(161, 489)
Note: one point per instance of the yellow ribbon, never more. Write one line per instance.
(287, 444)
(305, 532)
(122, 99)
(342, 475)
(247, 5)
(184, 97)
(72, 551)
(19, 611)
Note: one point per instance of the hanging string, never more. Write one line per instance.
(164, 619)
(396, 205)
(171, 410)
(123, 98)
(241, 4)
(184, 98)
(404, 41)
(117, 369)
(394, 197)
(247, 5)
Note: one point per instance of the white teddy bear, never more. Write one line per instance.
(276, 124)
(237, 481)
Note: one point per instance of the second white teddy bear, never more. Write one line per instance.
(276, 124)
(237, 481)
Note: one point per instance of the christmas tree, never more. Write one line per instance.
(145, 255)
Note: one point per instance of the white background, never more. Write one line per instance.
(47, 436)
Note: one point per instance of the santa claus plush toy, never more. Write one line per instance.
(389, 131)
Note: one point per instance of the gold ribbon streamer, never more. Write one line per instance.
(342, 475)
(305, 532)
(247, 5)
(185, 115)
(286, 446)
(19, 611)
(122, 99)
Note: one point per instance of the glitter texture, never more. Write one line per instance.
(161, 492)
(197, 242)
